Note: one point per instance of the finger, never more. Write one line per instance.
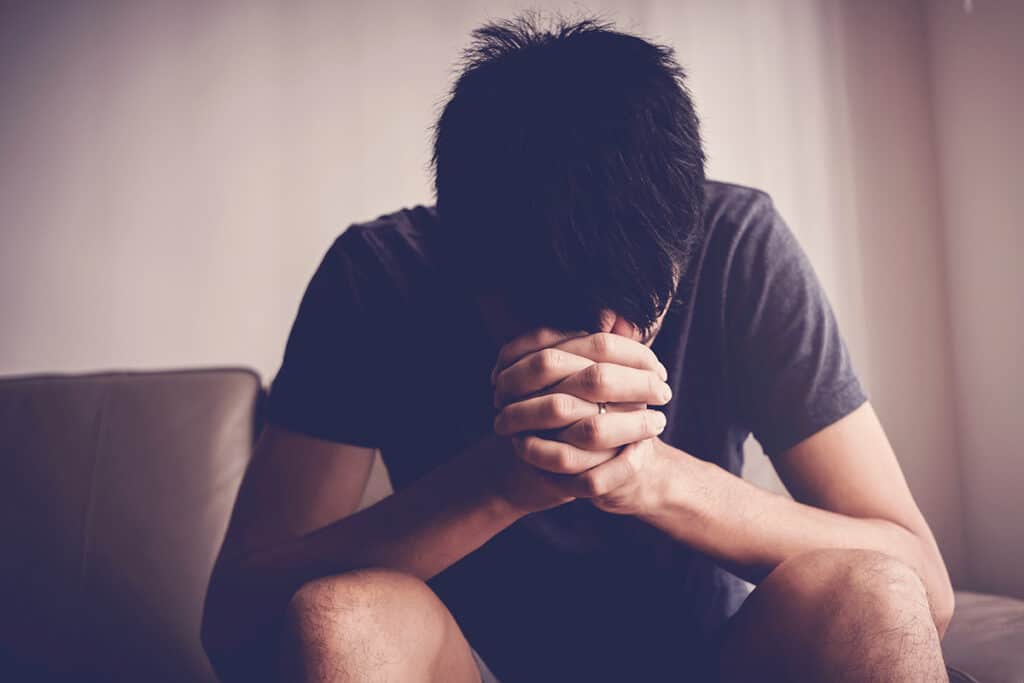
(531, 341)
(612, 430)
(535, 372)
(610, 475)
(608, 382)
(558, 457)
(551, 411)
(615, 348)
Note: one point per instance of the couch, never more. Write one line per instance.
(116, 492)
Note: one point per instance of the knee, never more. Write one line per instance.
(361, 611)
(850, 585)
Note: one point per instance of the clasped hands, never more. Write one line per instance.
(547, 386)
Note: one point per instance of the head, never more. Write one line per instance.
(569, 172)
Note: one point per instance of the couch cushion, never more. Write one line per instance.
(116, 491)
(986, 637)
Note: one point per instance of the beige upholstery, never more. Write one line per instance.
(116, 491)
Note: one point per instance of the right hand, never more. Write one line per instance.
(548, 441)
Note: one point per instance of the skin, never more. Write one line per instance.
(326, 593)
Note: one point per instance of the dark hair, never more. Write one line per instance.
(569, 172)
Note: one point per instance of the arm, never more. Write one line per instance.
(294, 522)
(791, 380)
(294, 519)
(849, 493)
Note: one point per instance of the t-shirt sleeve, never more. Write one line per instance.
(329, 385)
(790, 372)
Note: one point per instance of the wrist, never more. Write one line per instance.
(478, 478)
(502, 508)
(680, 494)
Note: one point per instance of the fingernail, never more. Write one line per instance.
(665, 392)
(663, 370)
(659, 422)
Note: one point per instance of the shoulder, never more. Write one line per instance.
(744, 229)
(732, 211)
(401, 237)
(393, 254)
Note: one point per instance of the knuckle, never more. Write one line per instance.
(596, 376)
(603, 343)
(548, 360)
(527, 448)
(565, 460)
(591, 431)
(562, 406)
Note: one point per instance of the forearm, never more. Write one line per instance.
(750, 531)
(420, 530)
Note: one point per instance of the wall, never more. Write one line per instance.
(172, 174)
(976, 62)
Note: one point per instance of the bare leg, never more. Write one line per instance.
(373, 625)
(838, 616)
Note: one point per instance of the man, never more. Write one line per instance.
(560, 363)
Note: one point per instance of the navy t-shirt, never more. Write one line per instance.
(387, 351)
